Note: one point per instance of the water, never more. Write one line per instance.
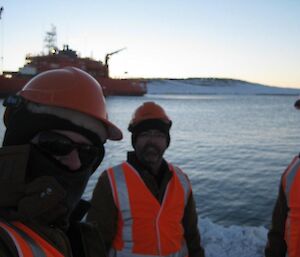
(234, 150)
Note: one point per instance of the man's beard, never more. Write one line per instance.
(151, 155)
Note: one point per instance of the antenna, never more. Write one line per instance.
(2, 39)
(1, 10)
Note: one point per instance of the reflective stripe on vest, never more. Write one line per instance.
(184, 182)
(27, 242)
(144, 223)
(291, 186)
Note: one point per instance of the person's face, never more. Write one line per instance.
(150, 146)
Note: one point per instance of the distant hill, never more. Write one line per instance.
(214, 86)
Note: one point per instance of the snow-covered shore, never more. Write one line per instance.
(233, 241)
(214, 86)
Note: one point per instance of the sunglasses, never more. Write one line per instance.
(57, 144)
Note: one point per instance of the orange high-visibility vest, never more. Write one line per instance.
(291, 186)
(27, 242)
(146, 227)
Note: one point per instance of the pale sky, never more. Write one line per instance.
(257, 40)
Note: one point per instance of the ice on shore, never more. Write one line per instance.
(214, 86)
(232, 241)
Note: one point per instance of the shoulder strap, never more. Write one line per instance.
(119, 185)
(185, 183)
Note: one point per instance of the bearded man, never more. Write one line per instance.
(145, 206)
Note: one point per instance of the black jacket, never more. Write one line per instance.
(276, 245)
(22, 200)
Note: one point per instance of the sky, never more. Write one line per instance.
(257, 41)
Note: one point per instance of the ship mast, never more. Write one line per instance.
(50, 40)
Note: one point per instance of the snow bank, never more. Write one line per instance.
(214, 86)
(233, 241)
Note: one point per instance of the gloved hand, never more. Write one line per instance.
(43, 201)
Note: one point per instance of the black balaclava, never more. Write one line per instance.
(148, 125)
(73, 183)
(23, 126)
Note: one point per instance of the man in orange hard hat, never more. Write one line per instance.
(284, 235)
(145, 206)
(56, 128)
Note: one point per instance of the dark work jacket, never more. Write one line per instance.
(80, 240)
(54, 236)
(276, 245)
(104, 212)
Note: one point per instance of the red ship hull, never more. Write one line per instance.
(122, 87)
(111, 87)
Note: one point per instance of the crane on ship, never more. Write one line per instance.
(107, 57)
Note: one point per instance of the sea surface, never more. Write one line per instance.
(234, 149)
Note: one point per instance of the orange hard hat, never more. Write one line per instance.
(149, 111)
(73, 89)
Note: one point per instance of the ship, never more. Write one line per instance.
(12, 81)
